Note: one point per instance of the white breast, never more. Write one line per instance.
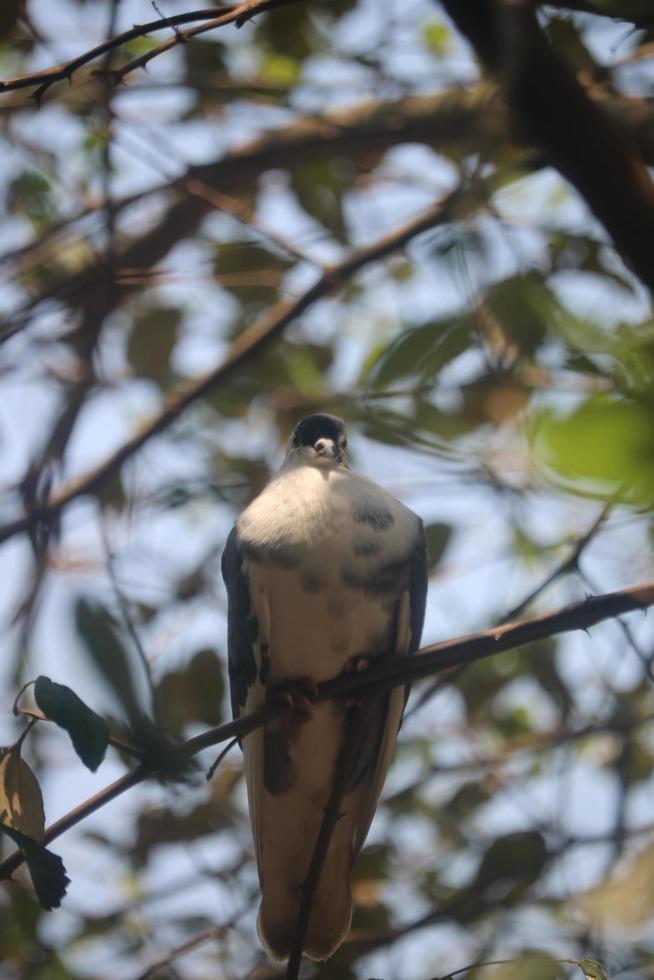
(310, 506)
(326, 549)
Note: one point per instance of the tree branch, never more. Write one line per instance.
(237, 14)
(472, 120)
(215, 932)
(569, 564)
(552, 109)
(615, 10)
(269, 327)
(383, 677)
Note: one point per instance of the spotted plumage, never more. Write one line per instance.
(323, 568)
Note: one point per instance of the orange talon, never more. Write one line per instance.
(299, 695)
(354, 666)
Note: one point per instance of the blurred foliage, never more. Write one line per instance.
(496, 373)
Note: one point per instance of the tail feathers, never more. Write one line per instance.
(331, 909)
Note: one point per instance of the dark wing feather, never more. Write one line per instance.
(242, 626)
(417, 594)
(418, 588)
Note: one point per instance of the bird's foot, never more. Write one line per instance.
(298, 695)
(354, 666)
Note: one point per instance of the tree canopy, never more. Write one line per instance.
(435, 220)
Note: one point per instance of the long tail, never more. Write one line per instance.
(331, 908)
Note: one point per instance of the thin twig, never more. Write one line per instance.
(216, 932)
(569, 564)
(214, 765)
(239, 15)
(645, 660)
(23, 735)
(44, 79)
(126, 613)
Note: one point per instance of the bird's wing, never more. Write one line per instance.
(242, 626)
(380, 730)
(244, 640)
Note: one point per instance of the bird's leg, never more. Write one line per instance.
(298, 695)
(354, 665)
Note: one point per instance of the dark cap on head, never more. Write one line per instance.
(314, 427)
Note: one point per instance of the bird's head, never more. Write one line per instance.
(320, 440)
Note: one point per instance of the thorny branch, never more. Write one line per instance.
(379, 678)
(237, 14)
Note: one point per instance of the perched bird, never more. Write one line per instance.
(325, 572)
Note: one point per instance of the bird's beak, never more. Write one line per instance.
(325, 448)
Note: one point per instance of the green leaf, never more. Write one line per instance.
(293, 30)
(30, 193)
(152, 340)
(100, 635)
(593, 969)
(603, 443)
(436, 36)
(306, 365)
(194, 693)
(204, 58)
(141, 45)
(422, 351)
(538, 659)
(21, 802)
(88, 732)
(523, 306)
(46, 869)
(518, 857)
(279, 69)
(158, 826)
(252, 274)
(528, 966)
(438, 536)
(320, 187)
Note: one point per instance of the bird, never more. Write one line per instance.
(325, 572)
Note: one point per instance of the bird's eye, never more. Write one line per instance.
(344, 443)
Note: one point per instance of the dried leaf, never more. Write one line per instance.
(21, 802)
